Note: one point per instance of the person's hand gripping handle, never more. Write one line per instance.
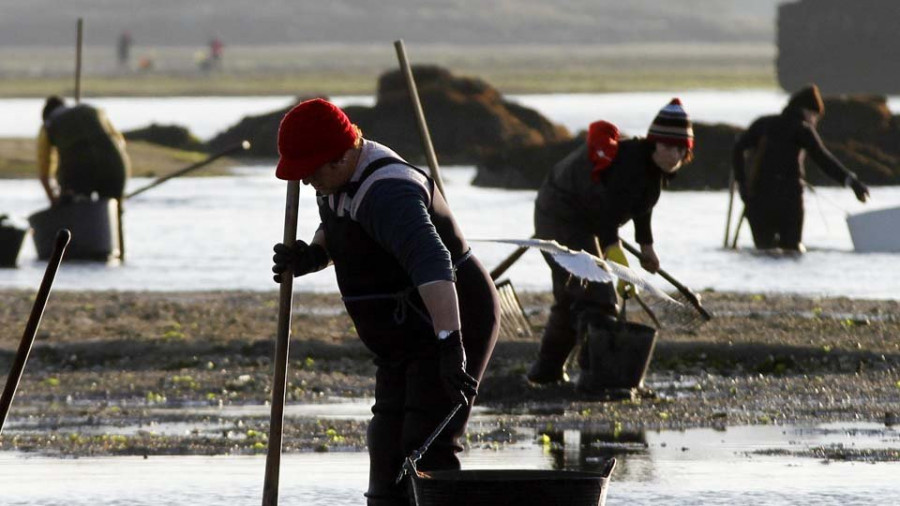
(458, 384)
(300, 258)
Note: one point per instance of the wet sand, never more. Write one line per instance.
(109, 368)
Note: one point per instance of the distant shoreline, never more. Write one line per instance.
(348, 69)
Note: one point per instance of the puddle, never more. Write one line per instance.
(204, 419)
(691, 467)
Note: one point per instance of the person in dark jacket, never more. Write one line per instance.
(420, 300)
(585, 199)
(772, 187)
(80, 153)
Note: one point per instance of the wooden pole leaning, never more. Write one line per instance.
(513, 313)
(503, 266)
(120, 213)
(737, 228)
(78, 43)
(240, 146)
(34, 321)
(282, 352)
(420, 117)
(731, 183)
(429, 147)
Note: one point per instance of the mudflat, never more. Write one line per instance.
(109, 368)
(18, 159)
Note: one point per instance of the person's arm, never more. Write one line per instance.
(301, 258)
(643, 234)
(46, 164)
(602, 211)
(442, 303)
(812, 143)
(319, 238)
(748, 139)
(395, 214)
(826, 161)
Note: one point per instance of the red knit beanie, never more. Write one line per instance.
(672, 126)
(310, 135)
(603, 145)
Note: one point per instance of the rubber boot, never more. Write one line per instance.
(556, 344)
(545, 370)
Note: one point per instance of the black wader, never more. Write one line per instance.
(772, 184)
(393, 323)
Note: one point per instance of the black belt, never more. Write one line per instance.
(403, 296)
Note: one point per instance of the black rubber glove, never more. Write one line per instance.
(861, 190)
(457, 382)
(301, 258)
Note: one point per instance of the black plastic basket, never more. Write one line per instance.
(519, 487)
(618, 359)
(11, 239)
(94, 226)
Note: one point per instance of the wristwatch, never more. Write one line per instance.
(442, 335)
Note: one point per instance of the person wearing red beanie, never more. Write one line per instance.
(772, 186)
(585, 198)
(419, 299)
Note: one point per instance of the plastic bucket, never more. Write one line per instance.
(11, 239)
(519, 487)
(618, 359)
(94, 227)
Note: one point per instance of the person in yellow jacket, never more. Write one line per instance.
(80, 153)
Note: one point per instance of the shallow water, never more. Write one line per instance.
(204, 116)
(694, 467)
(217, 233)
(207, 116)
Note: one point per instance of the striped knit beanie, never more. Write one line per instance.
(672, 126)
(808, 98)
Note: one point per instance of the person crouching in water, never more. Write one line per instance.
(420, 300)
(80, 153)
(772, 187)
(585, 199)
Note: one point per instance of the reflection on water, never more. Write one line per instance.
(693, 467)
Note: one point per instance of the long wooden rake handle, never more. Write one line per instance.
(424, 133)
(234, 148)
(282, 352)
(34, 321)
(503, 266)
